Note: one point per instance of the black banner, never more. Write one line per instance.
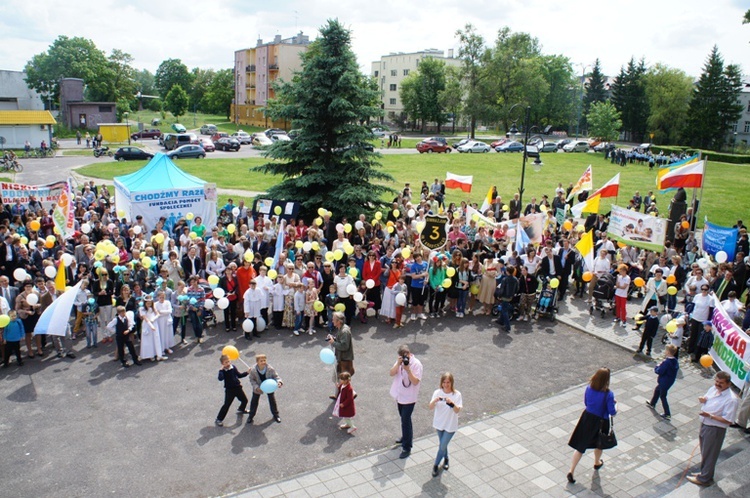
(434, 235)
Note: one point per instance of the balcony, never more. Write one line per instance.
(250, 68)
(250, 86)
(273, 67)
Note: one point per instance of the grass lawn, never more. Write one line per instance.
(724, 201)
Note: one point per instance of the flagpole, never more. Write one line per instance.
(703, 184)
(692, 201)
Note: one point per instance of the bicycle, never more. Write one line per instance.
(10, 165)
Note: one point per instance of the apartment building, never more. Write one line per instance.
(391, 69)
(256, 69)
(740, 134)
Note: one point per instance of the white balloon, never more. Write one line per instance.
(351, 289)
(67, 259)
(50, 272)
(137, 229)
(222, 303)
(370, 312)
(32, 299)
(369, 283)
(410, 213)
(307, 246)
(219, 293)
(359, 225)
(401, 299)
(721, 257)
(85, 228)
(261, 324)
(209, 304)
(340, 228)
(236, 211)
(358, 296)
(248, 325)
(20, 274)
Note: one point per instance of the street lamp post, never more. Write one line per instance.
(580, 101)
(537, 162)
(734, 143)
(127, 125)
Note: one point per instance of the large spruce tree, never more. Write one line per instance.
(330, 163)
(629, 97)
(595, 91)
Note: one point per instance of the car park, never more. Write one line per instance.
(132, 154)
(273, 131)
(227, 144)
(243, 137)
(431, 146)
(208, 129)
(577, 146)
(442, 140)
(461, 142)
(179, 128)
(153, 134)
(601, 146)
(260, 140)
(562, 143)
(379, 132)
(174, 141)
(207, 144)
(189, 151)
(219, 134)
(511, 146)
(474, 147)
(280, 137)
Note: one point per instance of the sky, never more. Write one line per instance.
(678, 33)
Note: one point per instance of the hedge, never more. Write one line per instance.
(712, 155)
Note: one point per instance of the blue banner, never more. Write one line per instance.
(717, 238)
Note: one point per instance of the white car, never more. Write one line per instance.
(474, 146)
(260, 140)
(577, 146)
(280, 137)
(242, 137)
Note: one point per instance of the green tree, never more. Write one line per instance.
(172, 72)
(557, 106)
(219, 94)
(474, 56)
(122, 85)
(329, 100)
(451, 96)
(746, 19)
(604, 121)
(668, 91)
(595, 90)
(202, 79)
(629, 97)
(177, 101)
(714, 106)
(70, 58)
(420, 92)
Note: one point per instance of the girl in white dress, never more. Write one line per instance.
(150, 340)
(164, 322)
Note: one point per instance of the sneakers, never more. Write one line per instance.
(666, 417)
(422, 316)
(412, 317)
(623, 324)
(296, 332)
(218, 423)
(615, 320)
(351, 430)
(650, 405)
(310, 332)
(277, 419)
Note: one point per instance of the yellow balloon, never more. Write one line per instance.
(339, 307)
(4, 320)
(567, 225)
(450, 271)
(420, 226)
(672, 290)
(248, 256)
(189, 216)
(348, 228)
(120, 213)
(318, 306)
(396, 213)
(231, 228)
(338, 254)
(193, 235)
(298, 244)
(348, 250)
(99, 255)
(447, 283)
(315, 246)
(321, 212)
(115, 258)
(231, 352)
(24, 240)
(329, 256)
(318, 221)
(475, 217)
(406, 252)
(159, 238)
(378, 215)
(50, 239)
(671, 327)
(269, 262)
(554, 283)
(353, 272)
(474, 289)
(506, 207)
(272, 274)
(146, 262)
(213, 279)
(277, 210)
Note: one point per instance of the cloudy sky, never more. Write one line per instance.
(679, 33)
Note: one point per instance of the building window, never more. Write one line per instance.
(392, 87)
(393, 101)
(734, 128)
(393, 72)
(406, 72)
(105, 108)
(748, 106)
(376, 74)
(747, 127)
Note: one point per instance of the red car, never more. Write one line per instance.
(216, 136)
(153, 134)
(207, 144)
(431, 146)
(498, 143)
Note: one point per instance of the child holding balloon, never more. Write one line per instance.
(91, 319)
(311, 296)
(232, 387)
(260, 376)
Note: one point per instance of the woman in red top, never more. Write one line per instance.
(244, 275)
(388, 309)
(231, 286)
(371, 271)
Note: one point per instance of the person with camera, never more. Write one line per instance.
(446, 403)
(407, 377)
(342, 346)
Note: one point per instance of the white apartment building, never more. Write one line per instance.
(391, 69)
(740, 133)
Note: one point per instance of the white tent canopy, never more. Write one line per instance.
(162, 190)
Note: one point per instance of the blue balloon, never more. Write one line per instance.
(182, 297)
(159, 281)
(269, 386)
(165, 255)
(92, 300)
(193, 301)
(327, 356)
(98, 264)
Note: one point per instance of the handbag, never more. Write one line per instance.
(606, 439)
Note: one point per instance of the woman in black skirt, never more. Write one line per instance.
(600, 404)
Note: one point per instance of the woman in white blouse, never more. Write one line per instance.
(446, 402)
(215, 264)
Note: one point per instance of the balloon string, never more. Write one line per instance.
(688, 465)
(243, 362)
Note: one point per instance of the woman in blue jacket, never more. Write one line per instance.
(667, 373)
(600, 405)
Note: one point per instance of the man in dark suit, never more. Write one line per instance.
(532, 207)
(567, 261)
(550, 266)
(723, 286)
(9, 292)
(514, 209)
(192, 264)
(8, 256)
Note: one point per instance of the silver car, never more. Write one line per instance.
(474, 146)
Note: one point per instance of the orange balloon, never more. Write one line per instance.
(35, 225)
(49, 244)
(587, 276)
(671, 279)
(685, 225)
(622, 245)
(706, 361)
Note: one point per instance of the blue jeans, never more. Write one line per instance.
(660, 393)
(298, 317)
(671, 302)
(91, 332)
(330, 320)
(407, 432)
(195, 320)
(461, 303)
(444, 437)
(506, 309)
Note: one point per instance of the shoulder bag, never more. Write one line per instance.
(606, 439)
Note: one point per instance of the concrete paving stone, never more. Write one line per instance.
(298, 493)
(467, 430)
(308, 479)
(345, 469)
(515, 463)
(326, 475)
(346, 493)
(516, 449)
(421, 457)
(387, 468)
(544, 482)
(544, 467)
(354, 479)
(271, 491)
(363, 490)
(336, 484)
(492, 433)
(317, 490)
(289, 486)
(529, 472)
(360, 464)
(489, 446)
(475, 451)
(557, 432)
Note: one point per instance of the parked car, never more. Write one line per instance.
(152, 134)
(461, 142)
(207, 144)
(227, 143)
(549, 147)
(511, 146)
(131, 154)
(498, 143)
(243, 137)
(260, 140)
(601, 146)
(187, 152)
(562, 143)
(577, 146)
(219, 134)
(174, 141)
(442, 140)
(593, 142)
(179, 128)
(293, 134)
(280, 137)
(474, 146)
(379, 132)
(164, 138)
(431, 146)
(208, 129)
(273, 131)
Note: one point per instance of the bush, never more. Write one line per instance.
(712, 155)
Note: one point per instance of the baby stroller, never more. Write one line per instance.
(604, 291)
(546, 301)
(209, 317)
(515, 305)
